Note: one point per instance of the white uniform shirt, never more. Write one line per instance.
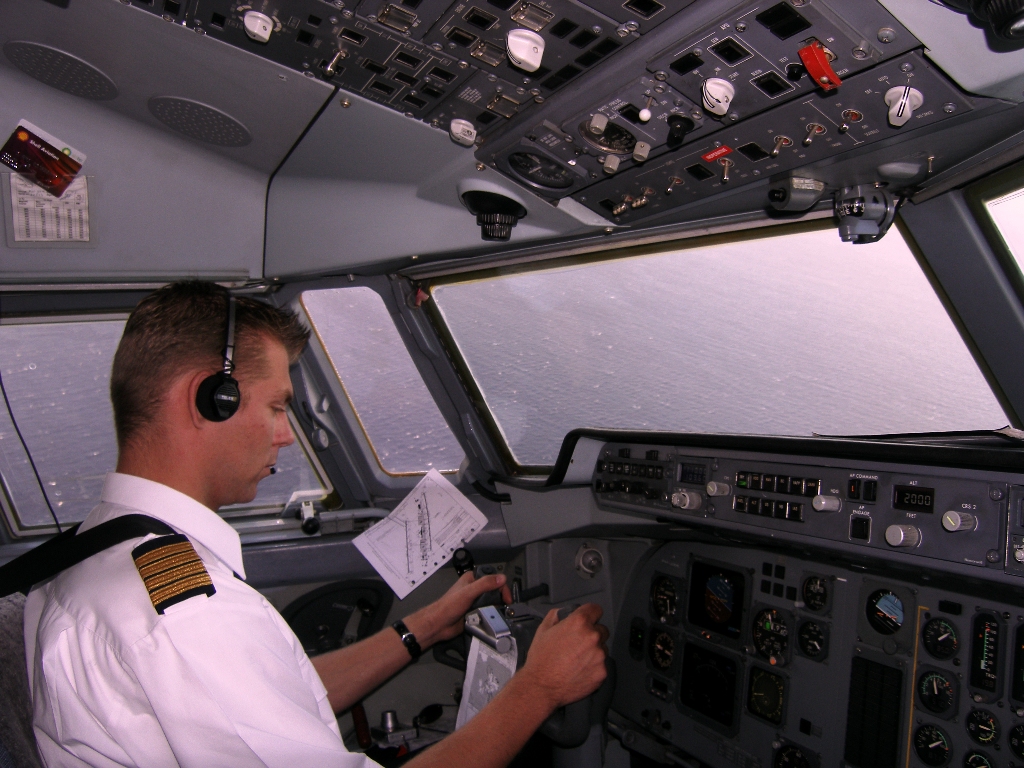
(214, 681)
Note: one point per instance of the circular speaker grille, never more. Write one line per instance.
(199, 121)
(60, 70)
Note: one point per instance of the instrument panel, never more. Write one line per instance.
(740, 656)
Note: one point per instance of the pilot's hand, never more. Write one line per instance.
(445, 618)
(566, 659)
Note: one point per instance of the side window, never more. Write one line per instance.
(398, 416)
(56, 378)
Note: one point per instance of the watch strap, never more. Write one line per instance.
(408, 639)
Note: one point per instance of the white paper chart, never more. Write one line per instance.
(39, 217)
(420, 535)
(487, 672)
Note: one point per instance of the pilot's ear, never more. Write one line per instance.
(193, 384)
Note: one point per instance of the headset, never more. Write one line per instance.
(218, 398)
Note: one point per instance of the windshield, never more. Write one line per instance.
(790, 333)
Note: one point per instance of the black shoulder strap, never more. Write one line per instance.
(68, 549)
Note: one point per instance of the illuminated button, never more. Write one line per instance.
(954, 521)
(827, 504)
(768, 483)
(853, 489)
(767, 507)
(755, 482)
(754, 506)
(781, 510)
(902, 536)
(796, 486)
(740, 503)
(782, 484)
(811, 487)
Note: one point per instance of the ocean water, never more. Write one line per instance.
(789, 335)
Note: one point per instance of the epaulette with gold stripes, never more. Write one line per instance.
(171, 570)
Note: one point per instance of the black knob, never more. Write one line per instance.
(678, 127)
(462, 561)
(795, 71)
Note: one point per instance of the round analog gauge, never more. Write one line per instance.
(664, 599)
(940, 639)
(540, 171)
(662, 650)
(771, 635)
(816, 593)
(615, 139)
(885, 612)
(978, 760)
(791, 757)
(1016, 740)
(982, 726)
(766, 695)
(811, 638)
(935, 692)
(932, 745)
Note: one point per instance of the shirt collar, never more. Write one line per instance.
(179, 511)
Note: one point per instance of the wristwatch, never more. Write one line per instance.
(408, 639)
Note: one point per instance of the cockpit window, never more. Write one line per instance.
(1007, 213)
(398, 416)
(772, 333)
(56, 377)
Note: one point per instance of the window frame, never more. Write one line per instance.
(977, 196)
(245, 514)
(628, 251)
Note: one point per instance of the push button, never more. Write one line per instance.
(853, 489)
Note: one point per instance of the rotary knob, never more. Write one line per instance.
(687, 500)
(717, 94)
(902, 536)
(954, 521)
(716, 488)
(826, 503)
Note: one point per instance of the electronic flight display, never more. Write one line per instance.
(709, 684)
(716, 599)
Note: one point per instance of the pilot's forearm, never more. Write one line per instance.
(350, 673)
(496, 734)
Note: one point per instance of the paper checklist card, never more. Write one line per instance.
(420, 535)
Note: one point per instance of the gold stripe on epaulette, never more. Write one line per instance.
(172, 571)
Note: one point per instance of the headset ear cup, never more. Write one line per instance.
(217, 398)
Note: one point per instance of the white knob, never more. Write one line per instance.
(525, 49)
(645, 115)
(641, 150)
(1018, 555)
(258, 26)
(717, 95)
(611, 164)
(826, 503)
(718, 489)
(687, 500)
(902, 536)
(462, 132)
(597, 124)
(902, 101)
(954, 521)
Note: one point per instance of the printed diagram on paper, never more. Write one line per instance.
(421, 534)
(39, 217)
(487, 672)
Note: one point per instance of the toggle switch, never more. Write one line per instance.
(780, 142)
(641, 150)
(674, 182)
(597, 124)
(525, 49)
(813, 129)
(644, 199)
(258, 26)
(645, 113)
(726, 164)
(622, 206)
(717, 95)
(902, 100)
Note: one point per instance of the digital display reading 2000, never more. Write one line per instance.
(913, 498)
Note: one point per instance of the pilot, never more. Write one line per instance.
(155, 652)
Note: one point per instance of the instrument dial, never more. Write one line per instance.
(811, 638)
(791, 757)
(771, 635)
(885, 612)
(815, 593)
(982, 726)
(662, 650)
(978, 760)
(1016, 739)
(540, 171)
(932, 745)
(614, 139)
(935, 691)
(940, 639)
(766, 695)
(664, 599)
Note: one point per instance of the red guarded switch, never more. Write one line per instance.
(816, 62)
